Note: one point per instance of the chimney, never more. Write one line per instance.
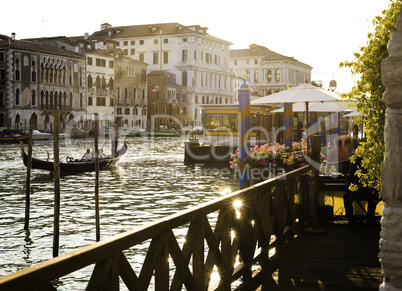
(86, 35)
(13, 36)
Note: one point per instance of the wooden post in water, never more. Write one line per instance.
(56, 184)
(28, 181)
(97, 178)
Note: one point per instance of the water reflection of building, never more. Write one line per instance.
(35, 79)
(268, 72)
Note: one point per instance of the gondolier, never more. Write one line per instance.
(114, 138)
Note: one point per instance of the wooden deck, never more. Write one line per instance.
(341, 259)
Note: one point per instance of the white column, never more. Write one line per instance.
(391, 172)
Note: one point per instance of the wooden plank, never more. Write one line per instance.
(181, 263)
(128, 275)
(151, 258)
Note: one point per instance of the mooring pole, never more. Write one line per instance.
(28, 182)
(288, 124)
(56, 183)
(244, 134)
(97, 178)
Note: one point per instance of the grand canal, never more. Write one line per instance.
(150, 182)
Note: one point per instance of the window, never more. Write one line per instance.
(165, 57)
(216, 59)
(89, 61)
(185, 39)
(141, 57)
(132, 52)
(155, 41)
(207, 58)
(33, 98)
(111, 64)
(141, 41)
(235, 62)
(1, 56)
(111, 101)
(155, 58)
(195, 55)
(117, 44)
(125, 52)
(196, 99)
(17, 69)
(17, 97)
(269, 75)
(184, 78)
(277, 75)
(255, 62)
(184, 55)
(100, 63)
(165, 40)
(90, 101)
(132, 42)
(127, 111)
(125, 42)
(33, 71)
(255, 76)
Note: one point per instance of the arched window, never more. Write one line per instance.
(17, 69)
(135, 93)
(256, 76)
(17, 97)
(143, 94)
(33, 71)
(269, 76)
(81, 101)
(277, 75)
(184, 78)
(126, 93)
(33, 98)
(81, 77)
(71, 100)
(89, 82)
(42, 100)
(118, 93)
(98, 82)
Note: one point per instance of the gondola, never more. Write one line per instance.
(74, 166)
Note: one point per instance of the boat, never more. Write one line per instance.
(158, 133)
(13, 136)
(75, 166)
(38, 135)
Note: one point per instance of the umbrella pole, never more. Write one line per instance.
(306, 129)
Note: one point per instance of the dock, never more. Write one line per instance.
(340, 259)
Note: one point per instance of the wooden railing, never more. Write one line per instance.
(228, 235)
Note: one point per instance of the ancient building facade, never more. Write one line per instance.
(167, 100)
(199, 61)
(268, 72)
(35, 79)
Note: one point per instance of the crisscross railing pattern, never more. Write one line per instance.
(233, 241)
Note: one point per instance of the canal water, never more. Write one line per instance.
(150, 182)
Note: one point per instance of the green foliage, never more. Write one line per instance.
(368, 92)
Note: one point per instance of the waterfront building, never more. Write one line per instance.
(268, 72)
(199, 60)
(116, 84)
(167, 100)
(35, 79)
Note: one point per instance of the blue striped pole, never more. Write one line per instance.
(244, 127)
(287, 124)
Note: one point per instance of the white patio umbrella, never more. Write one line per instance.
(352, 114)
(303, 93)
(337, 106)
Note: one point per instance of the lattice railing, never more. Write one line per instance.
(246, 226)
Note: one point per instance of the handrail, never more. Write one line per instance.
(267, 209)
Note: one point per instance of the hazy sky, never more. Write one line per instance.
(321, 33)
